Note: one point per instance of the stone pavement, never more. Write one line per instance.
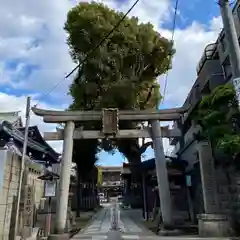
(100, 228)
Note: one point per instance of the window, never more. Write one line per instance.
(227, 70)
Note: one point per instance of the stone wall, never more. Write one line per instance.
(223, 190)
(9, 182)
(8, 189)
(228, 194)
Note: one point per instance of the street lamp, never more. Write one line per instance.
(49, 179)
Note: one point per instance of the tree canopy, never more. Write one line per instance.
(218, 114)
(120, 73)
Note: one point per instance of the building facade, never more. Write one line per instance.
(9, 182)
(111, 176)
(11, 146)
(111, 182)
(208, 186)
(213, 70)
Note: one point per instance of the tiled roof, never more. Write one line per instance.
(11, 117)
(39, 149)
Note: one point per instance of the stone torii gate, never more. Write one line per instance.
(110, 119)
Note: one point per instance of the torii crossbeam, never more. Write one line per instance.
(50, 116)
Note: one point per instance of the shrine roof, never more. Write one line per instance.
(110, 168)
(38, 148)
(35, 135)
(171, 163)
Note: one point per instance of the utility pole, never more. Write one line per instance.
(232, 42)
(27, 117)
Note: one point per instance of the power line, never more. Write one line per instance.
(49, 92)
(166, 79)
(173, 32)
(93, 49)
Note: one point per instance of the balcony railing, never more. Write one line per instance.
(207, 54)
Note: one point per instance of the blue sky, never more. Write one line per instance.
(34, 55)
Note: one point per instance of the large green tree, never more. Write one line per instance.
(121, 72)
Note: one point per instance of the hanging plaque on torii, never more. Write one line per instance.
(110, 121)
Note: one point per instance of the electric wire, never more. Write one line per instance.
(166, 79)
(90, 52)
(172, 39)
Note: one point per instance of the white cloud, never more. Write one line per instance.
(34, 35)
(32, 32)
(216, 24)
(189, 44)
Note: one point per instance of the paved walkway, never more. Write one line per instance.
(100, 228)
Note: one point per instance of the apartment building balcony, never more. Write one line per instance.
(209, 76)
(209, 53)
(209, 68)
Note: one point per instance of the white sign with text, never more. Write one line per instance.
(50, 189)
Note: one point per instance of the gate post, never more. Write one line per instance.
(62, 205)
(162, 174)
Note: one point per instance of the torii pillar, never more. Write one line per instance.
(63, 192)
(162, 174)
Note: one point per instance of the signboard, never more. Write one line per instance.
(50, 188)
(236, 84)
(110, 120)
(28, 210)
